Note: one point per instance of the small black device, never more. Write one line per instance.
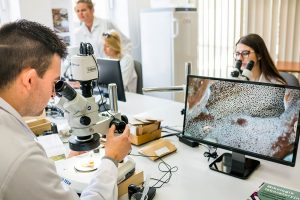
(191, 143)
(120, 124)
(134, 189)
(110, 72)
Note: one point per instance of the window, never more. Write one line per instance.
(223, 22)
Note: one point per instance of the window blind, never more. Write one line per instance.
(223, 22)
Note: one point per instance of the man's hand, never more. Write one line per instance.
(117, 147)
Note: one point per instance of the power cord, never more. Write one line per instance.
(171, 129)
(169, 135)
(168, 172)
(100, 91)
(174, 132)
(211, 153)
(120, 124)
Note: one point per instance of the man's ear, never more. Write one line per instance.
(28, 76)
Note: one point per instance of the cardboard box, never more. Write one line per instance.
(158, 149)
(39, 126)
(141, 129)
(137, 179)
(142, 139)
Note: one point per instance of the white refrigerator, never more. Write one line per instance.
(169, 39)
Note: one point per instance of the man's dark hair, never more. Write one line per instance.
(27, 44)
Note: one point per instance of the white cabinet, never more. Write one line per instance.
(168, 41)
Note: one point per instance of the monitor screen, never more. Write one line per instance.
(247, 118)
(110, 72)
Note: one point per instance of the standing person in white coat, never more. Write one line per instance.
(91, 28)
(29, 68)
(113, 49)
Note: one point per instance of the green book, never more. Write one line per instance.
(273, 192)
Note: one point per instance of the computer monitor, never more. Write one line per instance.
(248, 118)
(110, 72)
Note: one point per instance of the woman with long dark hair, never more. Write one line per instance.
(252, 47)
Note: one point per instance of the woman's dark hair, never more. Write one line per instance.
(267, 65)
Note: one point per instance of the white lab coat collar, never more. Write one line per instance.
(9, 109)
(96, 24)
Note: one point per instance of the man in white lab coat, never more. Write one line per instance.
(92, 28)
(29, 68)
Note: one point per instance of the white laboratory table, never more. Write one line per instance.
(168, 111)
(194, 179)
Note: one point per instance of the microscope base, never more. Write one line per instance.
(77, 144)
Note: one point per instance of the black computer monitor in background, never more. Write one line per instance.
(247, 118)
(110, 72)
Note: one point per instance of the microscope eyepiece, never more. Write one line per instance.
(65, 90)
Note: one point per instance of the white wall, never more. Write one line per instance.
(125, 15)
(34, 10)
(9, 10)
(41, 12)
(118, 14)
(173, 3)
(134, 25)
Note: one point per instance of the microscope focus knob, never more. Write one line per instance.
(84, 120)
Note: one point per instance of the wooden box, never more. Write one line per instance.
(39, 126)
(142, 129)
(137, 179)
(142, 139)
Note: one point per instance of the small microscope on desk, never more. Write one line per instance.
(84, 119)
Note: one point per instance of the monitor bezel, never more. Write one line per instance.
(106, 67)
(241, 151)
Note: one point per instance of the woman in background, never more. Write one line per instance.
(91, 27)
(112, 49)
(252, 47)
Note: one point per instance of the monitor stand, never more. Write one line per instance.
(234, 164)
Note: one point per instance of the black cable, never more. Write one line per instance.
(171, 129)
(100, 91)
(66, 71)
(209, 154)
(169, 135)
(174, 132)
(169, 171)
